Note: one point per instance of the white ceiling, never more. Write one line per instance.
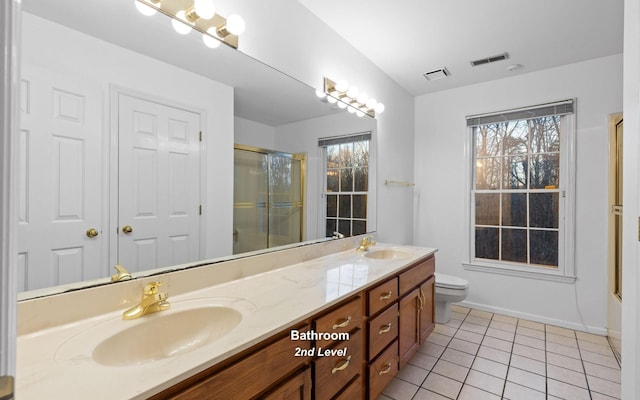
(409, 37)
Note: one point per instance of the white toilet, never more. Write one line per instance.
(449, 289)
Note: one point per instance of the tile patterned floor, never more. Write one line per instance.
(480, 355)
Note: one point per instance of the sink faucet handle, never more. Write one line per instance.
(121, 274)
(152, 288)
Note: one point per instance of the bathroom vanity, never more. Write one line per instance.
(337, 325)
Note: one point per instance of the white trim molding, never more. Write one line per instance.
(9, 122)
(596, 330)
(522, 272)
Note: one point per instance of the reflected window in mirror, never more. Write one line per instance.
(346, 184)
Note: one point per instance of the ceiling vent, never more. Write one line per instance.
(488, 60)
(436, 74)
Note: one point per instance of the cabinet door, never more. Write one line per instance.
(296, 388)
(427, 312)
(408, 336)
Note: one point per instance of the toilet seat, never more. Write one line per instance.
(450, 282)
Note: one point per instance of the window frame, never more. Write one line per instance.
(371, 184)
(565, 272)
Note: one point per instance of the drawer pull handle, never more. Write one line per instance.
(386, 369)
(343, 365)
(384, 328)
(343, 323)
(386, 296)
(421, 299)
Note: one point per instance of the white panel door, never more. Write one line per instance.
(61, 172)
(158, 184)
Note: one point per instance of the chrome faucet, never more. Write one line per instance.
(152, 301)
(365, 243)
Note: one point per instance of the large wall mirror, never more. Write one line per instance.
(127, 143)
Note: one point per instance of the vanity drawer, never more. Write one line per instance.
(332, 373)
(353, 392)
(341, 320)
(382, 295)
(416, 275)
(383, 330)
(382, 370)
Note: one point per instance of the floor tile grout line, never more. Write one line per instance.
(545, 332)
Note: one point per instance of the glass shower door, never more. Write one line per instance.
(250, 201)
(285, 200)
(268, 199)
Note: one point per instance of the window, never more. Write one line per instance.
(521, 189)
(346, 184)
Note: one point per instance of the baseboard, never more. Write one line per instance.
(596, 330)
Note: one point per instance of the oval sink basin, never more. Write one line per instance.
(186, 326)
(166, 335)
(387, 254)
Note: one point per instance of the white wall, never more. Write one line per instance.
(72, 53)
(302, 137)
(318, 51)
(251, 133)
(441, 194)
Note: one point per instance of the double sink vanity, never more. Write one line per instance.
(322, 321)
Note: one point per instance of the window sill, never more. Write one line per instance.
(522, 272)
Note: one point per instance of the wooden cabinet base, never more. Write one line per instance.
(296, 388)
(382, 370)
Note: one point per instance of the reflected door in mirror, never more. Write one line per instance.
(158, 184)
(60, 185)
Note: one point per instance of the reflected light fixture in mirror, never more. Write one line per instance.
(349, 97)
(198, 15)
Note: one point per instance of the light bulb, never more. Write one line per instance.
(332, 99)
(379, 108)
(362, 98)
(205, 8)
(359, 113)
(371, 103)
(144, 8)
(180, 25)
(235, 24)
(320, 94)
(209, 41)
(351, 109)
(342, 105)
(353, 92)
(342, 86)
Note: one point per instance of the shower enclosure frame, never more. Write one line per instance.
(270, 205)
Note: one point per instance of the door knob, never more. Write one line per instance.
(92, 232)
(127, 229)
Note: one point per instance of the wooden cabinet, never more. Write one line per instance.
(409, 338)
(332, 373)
(382, 370)
(353, 391)
(247, 377)
(383, 329)
(382, 296)
(416, 311)
(358, 347)
(341, 320)
(427, 311)
(338, 361)
(297, 387)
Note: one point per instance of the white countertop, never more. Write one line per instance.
(57, 362)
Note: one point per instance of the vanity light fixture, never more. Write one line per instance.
(198, 15)
(350, 97)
